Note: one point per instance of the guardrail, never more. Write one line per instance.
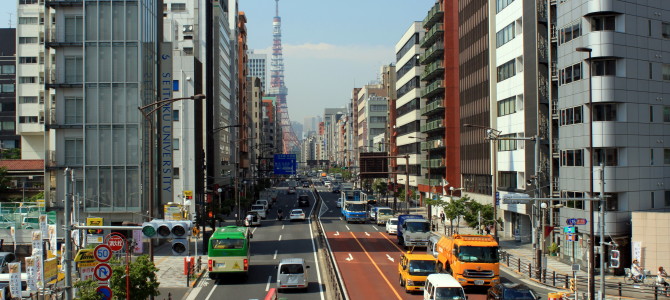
(562, 281)
(336, 284)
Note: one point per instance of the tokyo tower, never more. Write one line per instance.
(277, 87)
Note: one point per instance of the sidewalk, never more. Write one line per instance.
(171, 272)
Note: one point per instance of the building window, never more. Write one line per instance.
(651, 157)
(28, 60)
(175, 144)
(27, 119)
(175, 115)
(666, 71)
(651, 113)
(7, 88)
(74, 151)
(505, 35)
(7, 126)
(665, 30)
(507, 106)
(652, 200)
(188, 50)
(176, 7)
(573, 203)
(74, 69)
(501, 4)
(604, 112)
(507, 181)
(666, 113)
(572, 115)
(408, 45)
(8, 69)
(666, 156)
(606, 156)
(506, 70)
(667, 199)
(27, 40)
(27, 20)
(27, 1)
(25, 79)
(602, 23)
(74, 29)
(570, 33)
(74, 110)
(507, 145)
(572, 158)
(175, 173)
(175, 85)
(570, 74)
(604, 67)
(27, 99)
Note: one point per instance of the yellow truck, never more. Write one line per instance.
(414, 269)
(471, 259)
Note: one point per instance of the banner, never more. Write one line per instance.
(43, 225)
(39, 269)
(12, 232)
(15, 279)
(52, 240)
(50, 269)
(32, 275)
(37, 242)
(139, 245)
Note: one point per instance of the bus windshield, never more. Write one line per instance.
(478, 254)
(227, 244)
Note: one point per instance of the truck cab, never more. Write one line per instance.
(413, 231)
(413, 269)
(472, 259)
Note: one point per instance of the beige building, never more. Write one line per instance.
(650, 243)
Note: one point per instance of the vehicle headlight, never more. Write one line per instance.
(462, 279)
(410, 282)
(496, 280)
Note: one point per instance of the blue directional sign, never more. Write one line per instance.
(497, 198)
(284, 164)
(571, 221)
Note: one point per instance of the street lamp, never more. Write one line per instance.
(591, 284)
(152, 108)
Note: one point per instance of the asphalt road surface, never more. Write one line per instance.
(271, 242)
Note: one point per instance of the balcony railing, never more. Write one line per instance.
(432, 70)
(434, 14)
(433, 88)
(433, 163)
(432, 182)
(432, 125)
(433, 52)
(432, 35)
(431, 145)
(432, 107)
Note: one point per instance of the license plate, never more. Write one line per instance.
(479, 282)
(420, 289)
(221, 265)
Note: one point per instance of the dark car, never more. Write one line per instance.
(305, 184)
(336, 188)
(303, 200)
(510, 291)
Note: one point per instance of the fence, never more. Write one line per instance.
(331, 268)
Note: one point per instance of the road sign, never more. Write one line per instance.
(571, 221)
(571, 237)
(102, 272)
(580, 221)
(569, 229)
(115, 242)
(284, 164)
(102, 253)
(105, 292)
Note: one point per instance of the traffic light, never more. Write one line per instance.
(162, 229)
(573, 286)
(180, 229)
(179, 246)
(615, 256)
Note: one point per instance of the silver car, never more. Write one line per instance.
(292, 274)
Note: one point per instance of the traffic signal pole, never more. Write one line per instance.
(67, 256)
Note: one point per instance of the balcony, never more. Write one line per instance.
(432, 35)
(433, 89)
(433, 70)
(434, 15)
(63, 3)
(433, 164)
(433, 107)
(430, 54)
(433, 182)
(432, 145)
(432, 126)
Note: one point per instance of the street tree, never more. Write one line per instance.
(86, 290)
(455, 210)
(143, 283)
(473, 211)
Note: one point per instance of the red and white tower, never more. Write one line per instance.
(277, 87)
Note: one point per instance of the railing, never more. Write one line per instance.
(429, 145)
(431, 34)
(433, 163)
(433, 16)
(433, 106)
(337, 286)
(432, 51)
(432, 125)
(432, 69)
(432, 88)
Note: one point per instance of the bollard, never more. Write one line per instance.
(567, 279)
(619, 284)
(553, 278)
(530, 270)
(655, 292)
(519, 265)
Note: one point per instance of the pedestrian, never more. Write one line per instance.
(488, 229)
(442, 217)
(661, 275)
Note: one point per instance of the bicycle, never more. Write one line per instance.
(629, 278)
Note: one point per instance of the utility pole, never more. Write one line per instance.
(407, 182)
(602, 232)
(68, 232)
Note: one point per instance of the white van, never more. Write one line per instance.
(260, 209)
(292, 274)
(443, 287)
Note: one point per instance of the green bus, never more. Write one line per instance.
(228, 251)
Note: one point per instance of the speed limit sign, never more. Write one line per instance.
(102, 253)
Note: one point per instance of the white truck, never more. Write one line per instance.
(413, 231)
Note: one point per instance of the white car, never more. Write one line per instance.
(339, 202)
(260, 209)
(263, 202)
(327, 183)
(297, 214)
(392, 226)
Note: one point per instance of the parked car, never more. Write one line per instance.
(327, 183)
(297, 214)
(305, 184)
(260, 209)
(504, 291)
(303, 200)
(292, 274)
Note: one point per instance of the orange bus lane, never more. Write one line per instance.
(362, 276)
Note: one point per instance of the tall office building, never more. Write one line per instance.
(258, 67)
(8, 137)
(408, 119)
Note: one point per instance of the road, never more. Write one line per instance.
(272, 241)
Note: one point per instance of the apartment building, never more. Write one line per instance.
(372, 116)
(8, 60)
(408, 119)
(258, 67)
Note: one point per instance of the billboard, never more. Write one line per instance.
(285, 164)
(374, 165)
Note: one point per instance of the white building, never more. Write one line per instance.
(258, 67)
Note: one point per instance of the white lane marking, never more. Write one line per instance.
(347, 227)
(367, 234)
(267, 287)
(337, 233)
(390, 258)
(280, 237)
(275, 256)
(282, 227)
(211, 292)
(254, 230)
(340, 218)
(316, 258)
(350, 258)
(375, 227)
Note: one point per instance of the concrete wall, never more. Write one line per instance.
(650, 229)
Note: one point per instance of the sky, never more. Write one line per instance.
(330, 47)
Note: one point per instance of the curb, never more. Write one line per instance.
(197, 279)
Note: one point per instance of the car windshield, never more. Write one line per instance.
(228, 244)
(31, 220)
(421, 267)
(296, 212)
(393, 222)
(519, 294)
(356, 207)
(449, 293)
(257, 207)
(291, 269)
(417, 227)
(478, 254)
(385, 212)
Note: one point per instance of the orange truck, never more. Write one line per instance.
(471, 259)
